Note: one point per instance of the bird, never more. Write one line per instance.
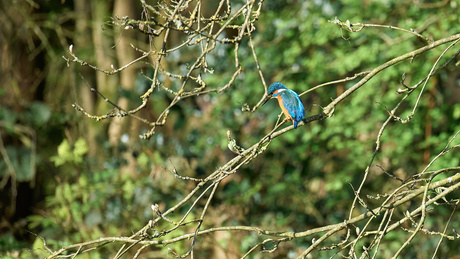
(289, 102)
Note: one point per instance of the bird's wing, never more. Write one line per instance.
(293, 104)
(301, 109)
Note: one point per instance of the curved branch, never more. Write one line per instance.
(328, 110)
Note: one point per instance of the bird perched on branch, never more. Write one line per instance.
(289, 101)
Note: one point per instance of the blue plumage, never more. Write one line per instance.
(289, 101)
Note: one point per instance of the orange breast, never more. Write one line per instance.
(286, 113)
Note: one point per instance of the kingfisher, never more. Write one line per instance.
(289, 101)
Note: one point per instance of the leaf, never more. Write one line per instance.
(21, 159)
(39, 113)
(456, 112)
(38, 248)
(143, 160)
(81, 148)
(64, 153)
(67, 155)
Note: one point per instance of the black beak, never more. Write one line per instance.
(266, 99)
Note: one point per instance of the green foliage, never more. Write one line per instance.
(21, 160)
(303, 50)
(67, 154)
(39, 114)
(9, 243)
(305, 178)
(98, 203)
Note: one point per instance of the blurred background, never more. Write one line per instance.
(68, 178)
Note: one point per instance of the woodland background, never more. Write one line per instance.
(66, 178)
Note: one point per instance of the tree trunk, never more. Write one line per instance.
(125, 54)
